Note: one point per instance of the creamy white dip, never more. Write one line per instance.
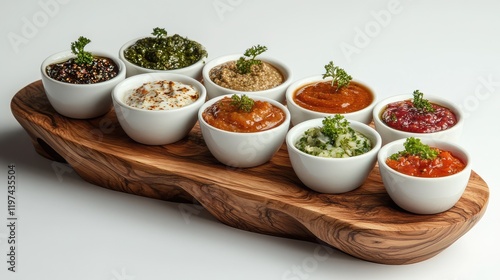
(162, 95)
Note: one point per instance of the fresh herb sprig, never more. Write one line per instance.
(77, 48)
(334, 126)
(339, 76)
(420, 103)
(159, 32)
(243, 102)
(244, 64)
(413, 146)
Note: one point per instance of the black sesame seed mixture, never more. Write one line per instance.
(101, 69)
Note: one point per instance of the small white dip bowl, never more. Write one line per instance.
(390, 134)
(80, 101)
(277, 93)
(300, 114)
(332, 175)
(244, 149)
(424, 195)
(152, 127)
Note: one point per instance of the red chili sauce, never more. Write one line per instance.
(225, 116)
(402, 115)
(443, 165)
(323, 97)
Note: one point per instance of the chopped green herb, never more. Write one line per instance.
(159, 32)
(335, 126)
(77, 48)
(420, 103)
(338, 75)
(244, 64)
(243, 102)
(413, 146)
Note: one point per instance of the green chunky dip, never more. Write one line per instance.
(335, 139)
(165, 52)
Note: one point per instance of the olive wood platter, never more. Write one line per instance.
(267, 199)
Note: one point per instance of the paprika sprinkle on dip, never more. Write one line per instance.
(418, 115)
(420, 160)
(162, 95)
(243, 114)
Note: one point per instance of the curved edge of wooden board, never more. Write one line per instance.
(270, 199)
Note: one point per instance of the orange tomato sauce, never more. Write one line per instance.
(225, 116)
(323, 97)
(444, 164)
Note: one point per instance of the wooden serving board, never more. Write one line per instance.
(267, 199)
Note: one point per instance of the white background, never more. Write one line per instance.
(70, 229)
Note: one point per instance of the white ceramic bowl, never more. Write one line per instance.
(156, 127)
(332, 175)
(300, 114)
(193, 71)
(390, 134)
(243, 150)
(424, 195)
(80, 101)
(276, 93)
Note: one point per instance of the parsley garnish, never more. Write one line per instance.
(244, 64)
(159, 32)
(243, 103)
(413, 146)
(339, 75)
(420, 103)
(334, 126)
(82, 57)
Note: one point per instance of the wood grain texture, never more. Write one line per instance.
(267, 199)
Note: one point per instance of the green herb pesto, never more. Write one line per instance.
(165, 52)
(335, 139)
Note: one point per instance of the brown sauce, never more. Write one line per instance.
(263, 76)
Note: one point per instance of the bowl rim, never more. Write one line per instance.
(382, 156)
(157, 76)
(121, 55)
(67, 54)
(284, 69)
(379, 107)
(300, 128)
(319, 78)
(208, 103)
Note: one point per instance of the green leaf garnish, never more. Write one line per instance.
(159, 32)
(243, 103)
(77, 48)
(334, 126)
(420, 103)
(244, 64)
(338, 75)
(413, 146)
